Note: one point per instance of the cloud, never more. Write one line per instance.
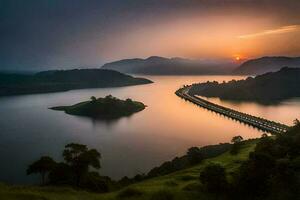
(280, 30)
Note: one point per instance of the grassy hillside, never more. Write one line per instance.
(183, 184)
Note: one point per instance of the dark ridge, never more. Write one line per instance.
(267, 64)
(156, 65)
(63, 80)
(271, 87)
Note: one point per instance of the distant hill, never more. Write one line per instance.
(169, 66)
(267, 64)
(266, 88)
(63, 80)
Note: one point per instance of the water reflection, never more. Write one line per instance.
(284, 112)
(165, 129)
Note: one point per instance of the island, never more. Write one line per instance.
(64, 80)
(268, 88)
(105, 108)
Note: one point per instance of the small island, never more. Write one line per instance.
(105, 108)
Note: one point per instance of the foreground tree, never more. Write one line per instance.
(42, 166)
(80, 158)
(74, 171)
(272, 170)
(61, 174)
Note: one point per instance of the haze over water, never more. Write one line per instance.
(165, 129)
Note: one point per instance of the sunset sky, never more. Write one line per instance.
(76, 33)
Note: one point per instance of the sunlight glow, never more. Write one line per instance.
(280, 30)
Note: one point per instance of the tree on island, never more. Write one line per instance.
(80, 158)
(42, 166)
(128, 100)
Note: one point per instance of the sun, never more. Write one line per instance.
(237, 58)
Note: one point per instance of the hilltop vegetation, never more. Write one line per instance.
(266, 168)
(179, 185)
(108, 107)
(269, 87)
(63, 80)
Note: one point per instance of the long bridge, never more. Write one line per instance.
(258, 122)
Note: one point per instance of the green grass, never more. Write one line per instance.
(184, 184)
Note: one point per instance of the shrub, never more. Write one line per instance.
(213, 178)
(129, 192)
(94, 182)
(186, 178)
(236, 140)
(192, 187)
(194, 155)
(171, 183)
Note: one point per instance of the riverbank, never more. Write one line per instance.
(183, 184)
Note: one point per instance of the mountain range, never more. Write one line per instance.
(156, 65)
(267, 64)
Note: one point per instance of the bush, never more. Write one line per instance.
(162, 195)
(213, 178)
(192, 187)
(61, 175)
(171, 183)
(236, 147)
(129, 192)
(94, 182)
(25, 196)
(194, 155)
(186, 178)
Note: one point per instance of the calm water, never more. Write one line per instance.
(165, 129)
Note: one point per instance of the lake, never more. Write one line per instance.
(131, 145)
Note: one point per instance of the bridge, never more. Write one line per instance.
(258, 122)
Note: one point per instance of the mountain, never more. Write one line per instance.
(267, 88)
(63, 80)
(156, 65)
(267, 64)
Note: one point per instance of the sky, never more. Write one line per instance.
(53, 34)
